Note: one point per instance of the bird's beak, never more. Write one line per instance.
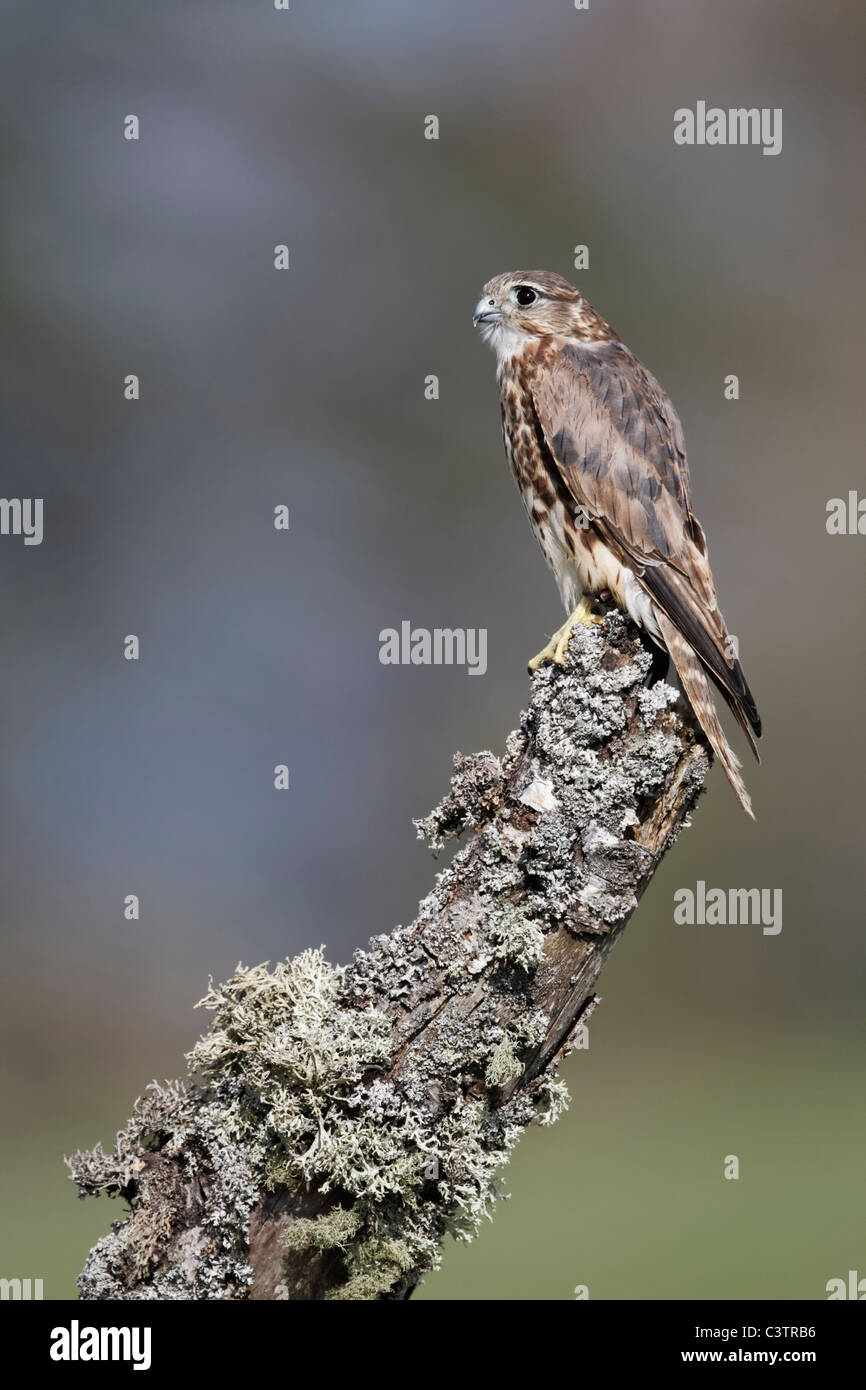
(486, 312)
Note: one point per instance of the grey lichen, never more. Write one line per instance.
(554, 1093)
(517, 940)
(298, 1058)
(505, 1064)
(177, 1142)
(473, 798)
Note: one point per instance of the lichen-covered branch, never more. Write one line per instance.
(343, 1121)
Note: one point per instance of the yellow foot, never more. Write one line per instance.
(558, 644)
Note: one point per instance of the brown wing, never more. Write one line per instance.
(618, 445)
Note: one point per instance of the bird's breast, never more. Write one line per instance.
(549, 505)
(580, 560)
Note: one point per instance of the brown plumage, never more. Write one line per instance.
(598, 454)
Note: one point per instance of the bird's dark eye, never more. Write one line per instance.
(525, 296)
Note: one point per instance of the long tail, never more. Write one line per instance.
(697, 687)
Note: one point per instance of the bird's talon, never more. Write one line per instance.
(558, 645)
(547, 654)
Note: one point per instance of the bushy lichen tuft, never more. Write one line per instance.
(555, 1098)
(505, 1065)
(298, 1057)
(332, 1231)
(517, 940)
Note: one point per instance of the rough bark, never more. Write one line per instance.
(343, 1122)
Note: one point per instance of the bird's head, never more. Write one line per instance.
(523, 306)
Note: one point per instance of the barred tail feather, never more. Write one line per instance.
(699, 693)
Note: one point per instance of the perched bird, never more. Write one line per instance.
(597, 451)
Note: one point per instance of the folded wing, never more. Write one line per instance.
(618, 445)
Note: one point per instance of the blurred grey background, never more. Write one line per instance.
(306, 388)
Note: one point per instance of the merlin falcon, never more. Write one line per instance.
(598, 454)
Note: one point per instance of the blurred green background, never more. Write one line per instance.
(307, 388)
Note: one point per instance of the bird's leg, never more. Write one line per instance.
(558, 644)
